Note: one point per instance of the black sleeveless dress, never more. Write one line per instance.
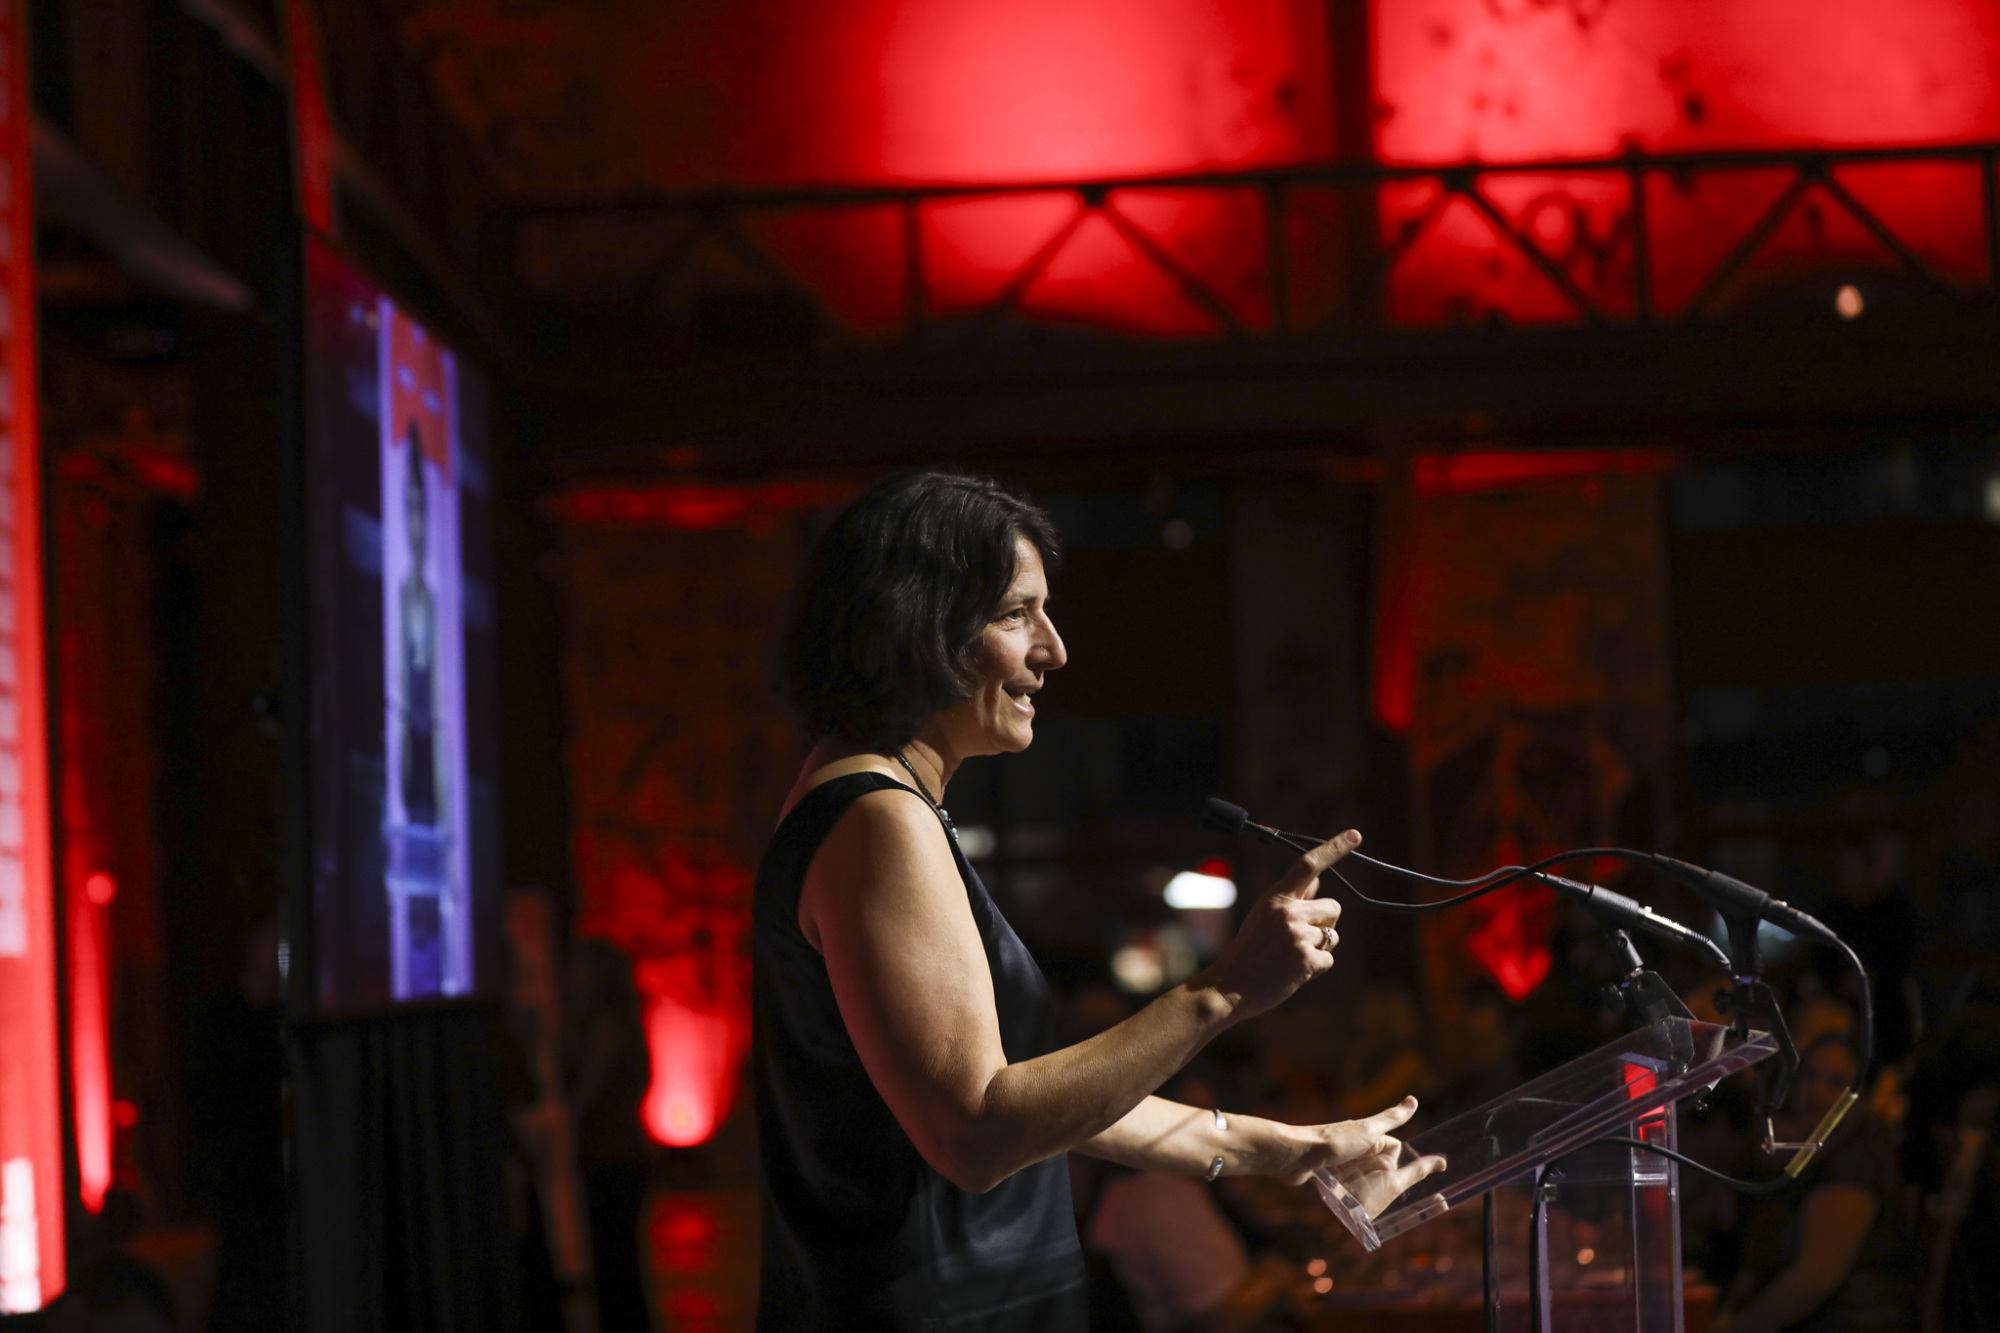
(859, 1231)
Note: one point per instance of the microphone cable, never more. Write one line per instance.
(1221, 819)
(1495, 880)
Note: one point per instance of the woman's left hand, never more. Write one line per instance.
(1363, 1148)
(1377, 1180)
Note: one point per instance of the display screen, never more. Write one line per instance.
(400, 655)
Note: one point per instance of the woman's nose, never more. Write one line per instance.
(1053, 652)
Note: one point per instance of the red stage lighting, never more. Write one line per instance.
(31, 1157)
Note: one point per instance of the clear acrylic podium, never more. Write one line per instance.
(1599, 1243)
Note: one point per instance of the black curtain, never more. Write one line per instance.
(398, 1144)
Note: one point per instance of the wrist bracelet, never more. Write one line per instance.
(1221, 1127)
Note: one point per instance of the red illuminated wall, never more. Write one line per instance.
(1522, 644)
(590, 103)
(31, 1162)
(876, 91)
(1514, 81)
(678, 760)
(1517, 80)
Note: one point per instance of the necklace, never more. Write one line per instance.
(943, 814)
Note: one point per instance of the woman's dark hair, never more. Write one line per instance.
(886, 616)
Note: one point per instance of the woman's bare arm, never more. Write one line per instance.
(885, 906)
(1161, 1135)
(1834, 1221)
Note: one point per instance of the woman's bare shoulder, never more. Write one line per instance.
(826, 763)
(887, 853)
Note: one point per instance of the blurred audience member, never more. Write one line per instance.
(1966, 873)
(235, 1079)
(1815, 1015)
(609, 1071)
(541, 1290)
(114, 1293)
(1949, 1154)
(1482, 1053)
(1834, 1252)
(1719, 1130)
(1872, 910)
(1383, 1056)
(1181, 1264)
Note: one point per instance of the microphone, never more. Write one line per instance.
(1219, 816)
(1742, 907)
(1613, 909)
(1622, 913)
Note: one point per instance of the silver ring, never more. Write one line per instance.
(1326, 938)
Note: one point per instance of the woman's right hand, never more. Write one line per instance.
(1287, 936)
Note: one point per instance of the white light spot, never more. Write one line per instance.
(977, 841)
(1190, 889)
(1847, 301)
(1992, 498)
(1136, 968)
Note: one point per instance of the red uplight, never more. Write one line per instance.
(1215, 866)
(694, 1072)
(684, 922)
(90, 1056)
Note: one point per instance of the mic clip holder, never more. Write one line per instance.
(1750, 998)
(1647, 998)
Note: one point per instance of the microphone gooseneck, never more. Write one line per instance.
(1742, 907)
(1736, 901)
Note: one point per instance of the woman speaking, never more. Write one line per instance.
(912, 1106)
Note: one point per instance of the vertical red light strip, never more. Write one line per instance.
(312, 122)
(89, 1048)
(31, 1181)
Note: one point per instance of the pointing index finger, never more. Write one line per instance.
(1320, 858)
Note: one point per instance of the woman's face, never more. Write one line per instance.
(1822, 1077)
(1016, 649)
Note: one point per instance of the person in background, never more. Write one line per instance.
(1954, 1067)
(235, 1076)
(1834, 1252)
(1384, 1056)
(609, 1072)
(1872, 910)
(1482, 1052)
(115, 1293)
(1182, 1265)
